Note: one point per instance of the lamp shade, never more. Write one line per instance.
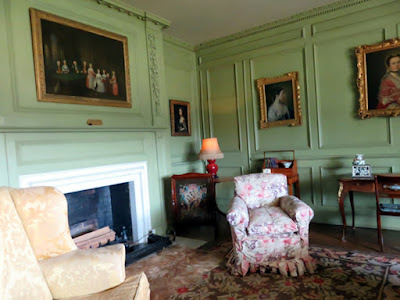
(210, 149)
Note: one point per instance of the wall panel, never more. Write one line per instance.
(272, 65)
(21, 108)
(30, 153)
(306, 185)
(223, 103)
(331, 132)
(181, 82)
(337, 94)
(226, 190)
(41, 137)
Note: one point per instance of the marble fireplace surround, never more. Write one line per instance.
(74, 180)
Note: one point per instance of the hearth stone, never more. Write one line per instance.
(154, 243)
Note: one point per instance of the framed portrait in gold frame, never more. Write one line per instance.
(378, 79)
(180, 118)
(279, 100)
(79, 64)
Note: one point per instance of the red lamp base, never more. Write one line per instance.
(212, 167)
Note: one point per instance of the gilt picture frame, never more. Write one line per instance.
(279, 99)
(378, 79)
(79, 64)
(180, 118)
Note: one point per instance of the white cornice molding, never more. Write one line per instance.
(178, 42)
(283, 22)
(135, 12)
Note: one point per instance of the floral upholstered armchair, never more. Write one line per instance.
(269, 227)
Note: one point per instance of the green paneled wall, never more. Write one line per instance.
(37, 137)
(319, 45)
(218, 79)
(181, 82)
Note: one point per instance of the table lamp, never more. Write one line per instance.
(210, 151)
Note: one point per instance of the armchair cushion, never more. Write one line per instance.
(20, 275)
(135, 287)
(44, 213)
(84, 271)
(270, 220)
(260, 189)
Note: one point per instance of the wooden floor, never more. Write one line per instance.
(361, 239)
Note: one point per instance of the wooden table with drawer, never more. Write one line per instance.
(348, 185)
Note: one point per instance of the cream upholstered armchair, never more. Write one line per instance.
(39, 260)
(269, 227)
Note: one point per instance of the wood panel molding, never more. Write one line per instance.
(239, 122)
(284, 22)
(37, 149)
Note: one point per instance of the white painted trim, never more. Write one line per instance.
(69, 181)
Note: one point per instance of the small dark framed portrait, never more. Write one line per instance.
(279, 100)
(180, 118)
(378, 79)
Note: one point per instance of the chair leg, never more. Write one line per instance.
(380, 236)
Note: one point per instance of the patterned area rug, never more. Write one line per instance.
(181, 273)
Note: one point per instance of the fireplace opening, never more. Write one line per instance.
(93, 209)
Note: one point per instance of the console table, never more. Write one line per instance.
(348, 185)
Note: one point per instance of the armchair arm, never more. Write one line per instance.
(296, 209)
(301, 213)
(238, 217)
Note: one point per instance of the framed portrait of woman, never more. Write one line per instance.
(378, 79)
(180, 118)
(279, 100)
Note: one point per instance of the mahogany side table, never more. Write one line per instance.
(348, 185)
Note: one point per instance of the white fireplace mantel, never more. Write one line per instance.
(74, 180)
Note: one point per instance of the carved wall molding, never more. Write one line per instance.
(154, 73)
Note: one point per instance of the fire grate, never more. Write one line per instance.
(154, 243)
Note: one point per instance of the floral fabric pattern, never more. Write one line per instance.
(238, 217)
(192, 198)
(269, 220)
(192, 195)
(296, 209)
(269, 228)
(261, 189)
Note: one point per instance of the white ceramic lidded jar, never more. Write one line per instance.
(359, 160)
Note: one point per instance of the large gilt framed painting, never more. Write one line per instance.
(378, 79)
(279, 100)
(79, 64)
